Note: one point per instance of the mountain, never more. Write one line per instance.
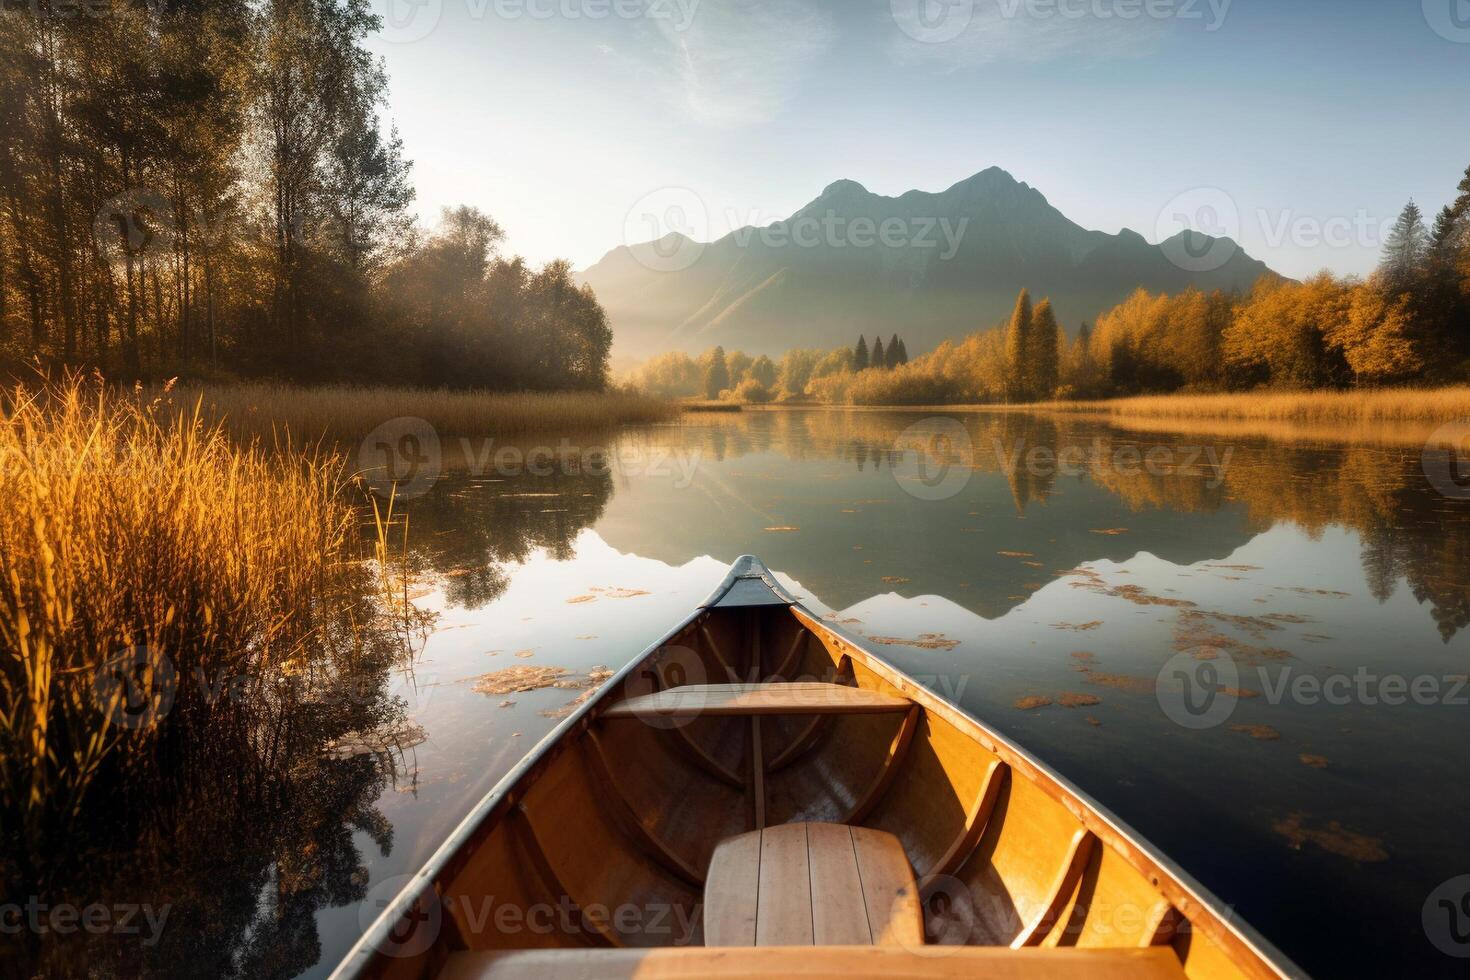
(927, 265)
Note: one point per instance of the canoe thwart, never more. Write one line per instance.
(708, 700)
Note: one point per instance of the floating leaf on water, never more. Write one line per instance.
(517, 680)
(1122, 682)
(1333, 838)
(404, 735)
(619, 593)
(1315, 761)
(1263, 732)
(1031, 701)
(1078, 627)
(926, 641)
(1110, 530)
(1079, 700)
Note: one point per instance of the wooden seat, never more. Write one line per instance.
(803, 884)
(706, 700)
(845, 962)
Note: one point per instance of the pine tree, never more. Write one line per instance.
(1444, 237)
(879, 360)
(903, 352)
(1445, 312)
(1045, 351)
(890, 354)
(1461, 207)
(717, 375)
(860, 355)
(1404, 250)
(1018, 347)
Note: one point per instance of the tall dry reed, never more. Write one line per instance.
(1375, 405)
(160, 586)
(341, 413)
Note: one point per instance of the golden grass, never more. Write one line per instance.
(126, 527)
(1379, 405)
(340, 413)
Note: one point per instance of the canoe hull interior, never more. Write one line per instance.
(603, 838)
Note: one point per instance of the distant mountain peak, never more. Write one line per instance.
(988, 179)
(962, 255)
(844, 188)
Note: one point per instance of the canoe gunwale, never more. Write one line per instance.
(485, 814)
(1251, 952)
(1180, 888)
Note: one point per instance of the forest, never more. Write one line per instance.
(1406, 323)
(207, 188)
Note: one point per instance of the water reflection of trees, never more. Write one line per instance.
(468, 528)
(1409, 532)
(233, 841)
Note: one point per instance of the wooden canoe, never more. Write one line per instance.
(759, 793)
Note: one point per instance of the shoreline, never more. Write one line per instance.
(1387, 417)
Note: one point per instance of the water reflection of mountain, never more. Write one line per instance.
(839, 479)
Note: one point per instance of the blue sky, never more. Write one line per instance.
(1300, 127)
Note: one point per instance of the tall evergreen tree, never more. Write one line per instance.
(1018, 349)
(879, 359)
(890, 353)
(1446, 306)
(1045, 351)
(1461, 207)
(860, 355)
(1404, 250)
(903, 352)
(717, 374)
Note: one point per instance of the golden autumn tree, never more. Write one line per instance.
(1377, 337)
(1045, 351)
(1018, 350)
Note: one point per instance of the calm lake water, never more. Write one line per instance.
(1005, 561)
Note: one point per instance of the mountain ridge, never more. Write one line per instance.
(930, 265)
